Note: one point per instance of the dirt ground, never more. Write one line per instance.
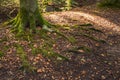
(102, 62)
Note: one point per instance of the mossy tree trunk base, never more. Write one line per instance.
(28, 16)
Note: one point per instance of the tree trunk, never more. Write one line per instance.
(28, 16)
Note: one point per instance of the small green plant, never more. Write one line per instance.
(56, 5)
(1, 54)
(68, 4)
(109, 3)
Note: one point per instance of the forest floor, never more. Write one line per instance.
(102, 62)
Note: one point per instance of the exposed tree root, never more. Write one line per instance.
(23, 21)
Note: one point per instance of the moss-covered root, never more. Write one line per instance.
(18, 24)
(28, 16)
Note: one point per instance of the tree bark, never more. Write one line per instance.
(29, 15)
